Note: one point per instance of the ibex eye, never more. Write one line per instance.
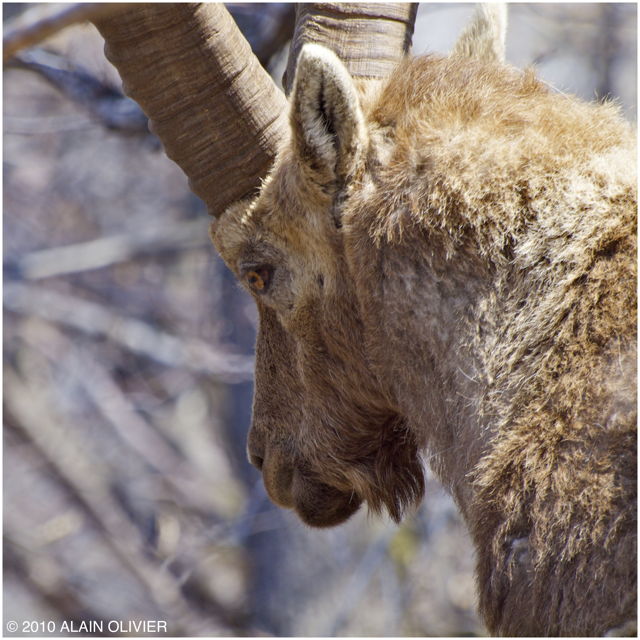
(258, 278)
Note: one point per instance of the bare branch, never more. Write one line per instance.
(23, 36)
(135, 335)
(107, 105)
(84, 479)
(40, 573)
(104, 252)
(134, 431)
(268, 27)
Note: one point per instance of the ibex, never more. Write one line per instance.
(444, 264)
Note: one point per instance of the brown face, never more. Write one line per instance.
(325, 433)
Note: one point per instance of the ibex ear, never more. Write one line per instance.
(329, 133)
(484, 38)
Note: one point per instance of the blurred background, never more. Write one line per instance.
(128, 356)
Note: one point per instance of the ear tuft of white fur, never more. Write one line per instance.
(484, 38)
(317, 54)
(326, 118)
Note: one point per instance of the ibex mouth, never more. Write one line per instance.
(316, 503)
(320, 505)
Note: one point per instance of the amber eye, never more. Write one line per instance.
(258, 278)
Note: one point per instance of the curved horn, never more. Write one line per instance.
(370, 38)
(217, 112)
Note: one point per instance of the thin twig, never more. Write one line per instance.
(359, 581)
(39, 125)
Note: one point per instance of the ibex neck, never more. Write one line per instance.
(421, 313)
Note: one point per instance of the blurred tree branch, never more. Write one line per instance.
(267, 31)
(86, 480)
(107, 105)
(109, 250)
(267, 27)
(20, 35)
(41, 575)
(135, 335)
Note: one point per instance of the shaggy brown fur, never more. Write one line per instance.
(445, 263)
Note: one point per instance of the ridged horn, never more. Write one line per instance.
(370, 38)
(218, 114)
(216, 111)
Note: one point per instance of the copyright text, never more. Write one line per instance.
(90, 627)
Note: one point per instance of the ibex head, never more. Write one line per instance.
(325, 431)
